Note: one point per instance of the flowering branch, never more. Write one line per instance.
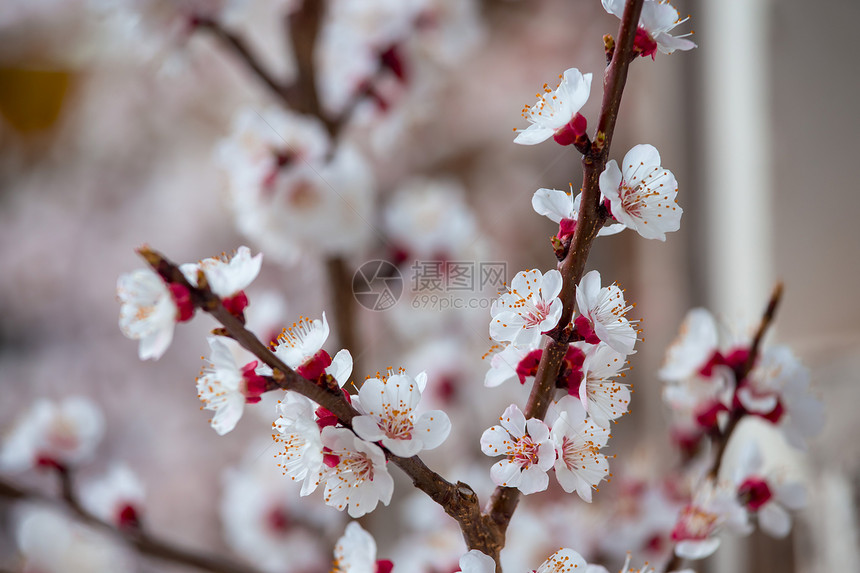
(142, 542)
(459, 501)
(590, 220)
(721, 438)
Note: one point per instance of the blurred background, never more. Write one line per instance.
(110, 116)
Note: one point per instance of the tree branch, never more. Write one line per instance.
(238, 46)
(142, 542)
(343, 299)
(459, 501)
(504, 500)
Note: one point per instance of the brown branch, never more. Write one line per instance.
(504, 500)
(238, 46)
(343, 299)
(142, 542)
(459, 501)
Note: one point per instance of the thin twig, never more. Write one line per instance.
(722, 440)
(238, 46)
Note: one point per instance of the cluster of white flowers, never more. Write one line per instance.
(292, 189)
(709, 381)
(151, 307)
(315, 450)
(530, 309)
(704, 388)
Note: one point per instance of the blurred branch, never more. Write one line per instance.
(340, 282)
(590, 220)
(142, 542)
(721, 440)
(243, 52)
(301, 96)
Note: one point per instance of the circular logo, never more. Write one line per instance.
(377, 285)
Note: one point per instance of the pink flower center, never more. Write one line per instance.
(236, 304)
(708, 414)
(566, 227)
(571, 372)
(330, 459)
(128, 517)
(277, 520)
(694, 523)
(384, 566)
(754, 493)
(576, 455)
(537, 314)
(525, 452)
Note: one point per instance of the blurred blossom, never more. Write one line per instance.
(429, 219)
(268, 523)
(116, 497)
(51, 543)
(53, 434)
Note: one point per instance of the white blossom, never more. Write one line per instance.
(51, 543)
(508, 363)
(528, 449)
(430, 219)
(227, 275)
(579, 465)
(562, 207)
(53, 433)
(657, 19)
(529, 308)
(697, 341)
(355, 551)
(555, 109)
(764, 494)
(604, 398)
(300, 453)
(642, 194)
(117, 497)
(223, 387)
(388, 407)
(148, 312)
(564, 561)
(266, 521)
(356, 477)
(604, 309)
(476, 562)
(300, 347)
(713, 507)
